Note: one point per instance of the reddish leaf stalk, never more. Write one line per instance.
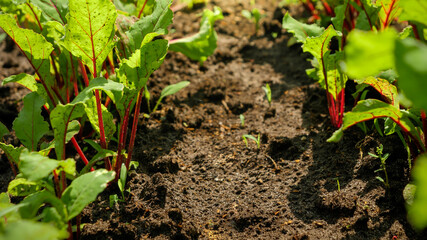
(78, 222)
(336, 108)
(415, 30)
(309, 5)
(57, 186)
(110, 62)
(122, 140)
(134, 127)
(64, 182)
(388, 14)
(142, 9)
(70, 231)
(79, 151)
(84, 73)
(328, 8)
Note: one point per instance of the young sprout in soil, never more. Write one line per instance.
(256, 140)
(338, 184)
(382, 158)
(253, 16)
(267, 91)
(242, 121)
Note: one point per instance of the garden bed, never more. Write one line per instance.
(198, 180)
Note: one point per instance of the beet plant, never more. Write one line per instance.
(91, 62)
(379, 58)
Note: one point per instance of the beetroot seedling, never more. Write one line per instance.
(256, 140)
(267, 91)
(382, 157)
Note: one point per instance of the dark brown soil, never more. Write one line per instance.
(198, 180)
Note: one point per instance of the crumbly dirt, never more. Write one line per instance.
(198, 180)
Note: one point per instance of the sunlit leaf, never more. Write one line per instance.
(84, 190)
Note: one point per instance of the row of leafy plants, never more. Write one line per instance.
(92, 60)
(381, 46)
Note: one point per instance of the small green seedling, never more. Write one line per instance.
(255, 16)
(383, 159)
(122, 183)
(170, 90)
(267, 91)
(242, 121)
(338, 184)
(256, 140)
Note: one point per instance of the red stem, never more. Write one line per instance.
(122, 140)
(64, 182)
(328, 9)
(78, 222)
(388, 13)
(70, 231)
(80, 152)
(134, 127)
(312, 9)
(84, 73)
(110, 62)
(415, 30)
(142, 9)
(56, 180)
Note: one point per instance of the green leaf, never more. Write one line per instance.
(84, 190)
(35, 166)
(174, 88)
(53, 32)
(92, 114)
(34, 202)
(203, 44)
(23, 79)
(413, 10)
(102, 153)
(169, 90)
(135, 71)
(33, 45)
(300, 30)
(384, 87)
(30, 126)
(53, 10)
(371, 109)
(123, 176)
(21, 187)
(339, 18)
(11, 152)
(367, 17)
(60, 118)
(417, 212)
(153, 25)
(411, 59)
(113, 89)
(3, 130)
(318, 46)
(369, 53)
(336, 79)
(90, 31)
(68, 166)
(26, 229)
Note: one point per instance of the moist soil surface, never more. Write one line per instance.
(197, 179)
